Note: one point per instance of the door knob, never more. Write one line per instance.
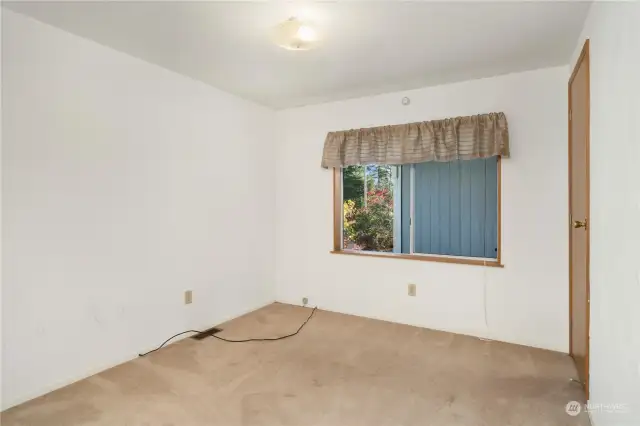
(580, 224)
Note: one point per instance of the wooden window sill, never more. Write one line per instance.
(423, 257)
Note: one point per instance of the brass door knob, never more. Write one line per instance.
(580, 224)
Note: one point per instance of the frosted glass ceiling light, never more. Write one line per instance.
(293, 34)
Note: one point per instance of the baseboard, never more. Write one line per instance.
(64, 383)
(477, 335)
(106, 366)
(590, 417)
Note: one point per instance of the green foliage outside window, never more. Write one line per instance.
(368, 226)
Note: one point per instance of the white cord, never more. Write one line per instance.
(484, 286)
(484, 303)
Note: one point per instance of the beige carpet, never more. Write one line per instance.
(340, 370)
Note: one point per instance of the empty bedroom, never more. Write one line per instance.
(244, 213)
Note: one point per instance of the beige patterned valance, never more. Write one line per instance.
(460, 138)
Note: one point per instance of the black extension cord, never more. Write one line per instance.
(264, 339)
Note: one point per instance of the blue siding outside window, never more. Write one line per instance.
(455, 208)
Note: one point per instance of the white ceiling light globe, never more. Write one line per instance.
(306, 33)
(293, 34)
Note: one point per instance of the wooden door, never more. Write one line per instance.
(579, 215)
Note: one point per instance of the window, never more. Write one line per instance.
(443, 211)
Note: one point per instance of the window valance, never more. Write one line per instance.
(460, 138)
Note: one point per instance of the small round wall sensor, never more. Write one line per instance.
(406, 101)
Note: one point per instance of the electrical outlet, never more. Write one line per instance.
(412, 289)
(188, 297)
(305, 301)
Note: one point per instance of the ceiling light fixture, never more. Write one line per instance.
(294, 34)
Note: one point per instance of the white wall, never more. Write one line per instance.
(1, 315)
(614, 32)
(526, 302)
(123, 185)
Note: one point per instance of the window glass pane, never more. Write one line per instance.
(455, 208)
(368, 206)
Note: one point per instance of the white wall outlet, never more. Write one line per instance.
(188, 297)
(411, 290)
